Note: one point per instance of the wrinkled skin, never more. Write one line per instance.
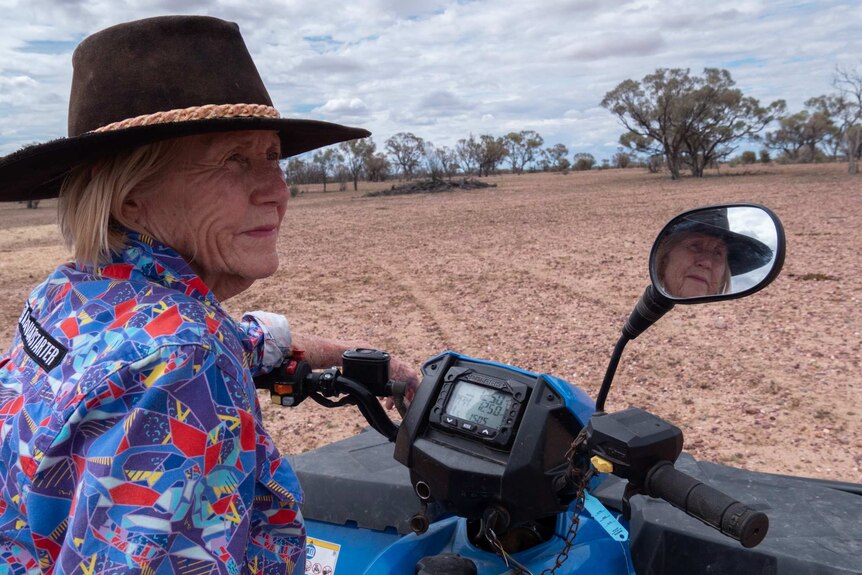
(695, 266)
(220, 204)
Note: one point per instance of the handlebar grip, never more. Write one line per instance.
(707, 504)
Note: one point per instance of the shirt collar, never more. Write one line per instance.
(156, 262)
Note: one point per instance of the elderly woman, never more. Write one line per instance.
(131, 435)
(698, 256)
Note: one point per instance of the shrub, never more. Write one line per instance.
(584, 161)
(748, 157)
(764, 156)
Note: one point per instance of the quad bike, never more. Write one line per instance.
(498, 470)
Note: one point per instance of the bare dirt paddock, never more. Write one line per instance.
(541, 272)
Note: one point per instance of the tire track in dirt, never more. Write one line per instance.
(428, 306)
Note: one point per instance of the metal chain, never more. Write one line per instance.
(569, 540)
(582, 478)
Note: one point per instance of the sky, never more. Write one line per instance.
(445, 69)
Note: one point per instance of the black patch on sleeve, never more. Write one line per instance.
(38, 343)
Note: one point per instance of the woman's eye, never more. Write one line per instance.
(273, 156)
(237, 158)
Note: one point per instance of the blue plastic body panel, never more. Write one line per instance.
(371, 552)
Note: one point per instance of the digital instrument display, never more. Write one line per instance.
(479, 404)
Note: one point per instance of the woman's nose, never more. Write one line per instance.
(269, 186)
(704, 260)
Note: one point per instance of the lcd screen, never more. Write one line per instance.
(478, 404)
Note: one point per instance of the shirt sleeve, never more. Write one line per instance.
(266, 338)
(176, 474)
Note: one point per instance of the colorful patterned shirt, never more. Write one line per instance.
(131, 438)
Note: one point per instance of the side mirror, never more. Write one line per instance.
(717, 253)
(708, 254)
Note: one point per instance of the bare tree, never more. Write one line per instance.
(849, 85)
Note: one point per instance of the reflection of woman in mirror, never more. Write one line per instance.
(698, 255)
(692, 264)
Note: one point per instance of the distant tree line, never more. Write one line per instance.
(408, 156)
(673, 121)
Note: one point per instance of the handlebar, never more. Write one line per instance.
(290, 383)
(706, 503)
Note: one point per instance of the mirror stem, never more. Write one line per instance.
(609, 374)
(650, 308)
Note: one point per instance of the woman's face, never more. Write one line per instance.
(695, 266)
(220, 204)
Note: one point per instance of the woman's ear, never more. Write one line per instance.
(132, 213)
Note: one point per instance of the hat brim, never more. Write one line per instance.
(37, 172)
(744, 252)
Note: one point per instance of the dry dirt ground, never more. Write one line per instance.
(541, 272)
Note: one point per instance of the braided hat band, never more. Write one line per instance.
(208, 112)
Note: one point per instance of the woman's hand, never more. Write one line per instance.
(401, 371)
(322, 353)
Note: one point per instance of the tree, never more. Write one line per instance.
(689, 120)
(439, 162)
(798, 135)
(521, 148)
(407, 149)
(298, 171)
(355, 154)
(376, 167)
(584, 161)
(721, 115)
(492, 151)
(555, 158)
(849, 84)
(326, 160)
(834, 108)
(621, 159)
(468, 152)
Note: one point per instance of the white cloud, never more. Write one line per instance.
(347, 107)
(446, 68)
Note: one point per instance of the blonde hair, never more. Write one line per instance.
(92, 195)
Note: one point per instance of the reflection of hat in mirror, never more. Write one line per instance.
(744, 253)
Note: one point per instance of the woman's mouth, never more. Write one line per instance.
(262, 231)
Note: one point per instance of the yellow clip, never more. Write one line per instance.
(601, 464)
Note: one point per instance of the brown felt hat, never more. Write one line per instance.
(155, 79)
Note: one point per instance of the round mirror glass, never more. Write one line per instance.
(717, 253)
